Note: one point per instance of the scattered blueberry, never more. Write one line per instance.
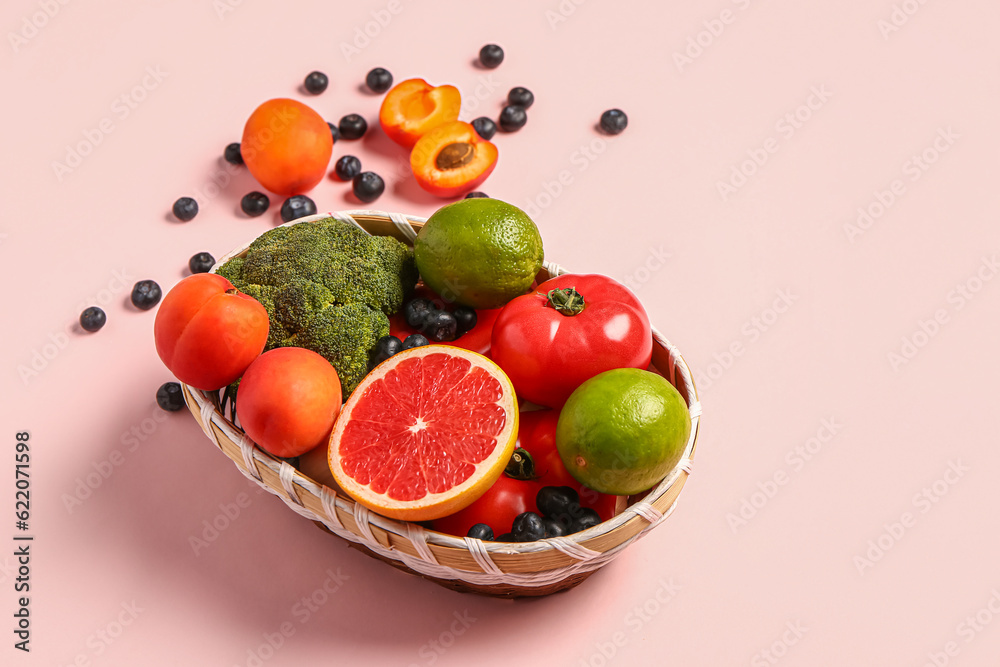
(185, 209)
(512, 118)
(233, 154)
(484, 127)
(334, 132)
(440, 326)
(297, 206)
(415, 340)
(554, 527)
(347, 167)
(353, 126)
(613, 121)
(146, 294)
(169, 397)
(368, 186)
(557, 502)
(386, 347)
(481, 531)
(491, 56)
(465, 318)
(92, 319)
(254, 203)
(586, 517)
(528, 527)
(416, 310)
(379, 80)
(520, 96)
(201, 263)
(476, 194)
(316, 82)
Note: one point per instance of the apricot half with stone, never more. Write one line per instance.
(452, 159)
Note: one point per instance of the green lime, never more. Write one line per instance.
(622, 431)
(479, 252)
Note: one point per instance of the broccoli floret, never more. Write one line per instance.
(327, 286)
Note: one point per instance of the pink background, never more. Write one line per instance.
(885, 429)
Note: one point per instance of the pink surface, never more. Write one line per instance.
(788, 310)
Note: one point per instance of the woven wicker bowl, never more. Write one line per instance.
(464, 564)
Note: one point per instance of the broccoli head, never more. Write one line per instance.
(327, 286)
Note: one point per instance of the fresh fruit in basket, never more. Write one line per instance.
(289, 399)
(207, 332)
(286, 146)
(473, 327)
(414, 107)
(497, 508)
(622, 431)
(452, 159)
(425, 434)
(568, 330)
(479, 252)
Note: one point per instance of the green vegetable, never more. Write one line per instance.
(327, 286)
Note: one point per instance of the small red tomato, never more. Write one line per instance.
(497, 508)
(567, 331)
(207, 332)
(288, 400)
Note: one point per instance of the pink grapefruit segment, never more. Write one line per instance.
(425, 434)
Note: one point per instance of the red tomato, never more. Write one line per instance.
(547, 351)
(497, 508)
(286, 146)
(288, 400)
(537, 435)
(207, 333)
(476, 339)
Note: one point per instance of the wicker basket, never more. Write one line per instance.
(464, 564)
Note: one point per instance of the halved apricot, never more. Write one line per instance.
(452, 159)
(414, 107)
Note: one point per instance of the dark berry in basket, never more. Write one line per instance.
(465, 318)
(558, 502)
(334, 132)
(481, 531)
(169, 397)
(414, 340)
(379, 80)
(255, 203)
(513, 118)
(297, 206)
(316, 82)
(585, 517)
(386, 347)
(506, 537)
(613, 121)
(528, 527)
(353, 126)
(520, 96)
(201, 263)
(347, 167)
(233, 154)
(554, 527)
(440, 326)
(416, 310)
(146, 294)
(476, 194)
(484, 127)
(368, 186)
(491, 56)
(185, 209)
(92, 319)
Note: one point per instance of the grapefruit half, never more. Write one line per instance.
(425, 434)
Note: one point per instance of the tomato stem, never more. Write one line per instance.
(521, 465)
(567, 301)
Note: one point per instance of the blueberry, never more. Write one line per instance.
(557, 502)
(520, 96)
(476, 194)
(254, 203)
(368, 186)
(506, 537)
(92, 319)
(185, 209)
(528, 527)
(491, 56)
(512, 118)
(613, 121)
(481, 531)
(484, 127)
(334, 131)
(169, 397)
(233, 154)
(379, 80)
(416, 310)
(297, 206)
(146, 294)
(386, 347)
(554, 527)
(353, 126)
(415, 340)
(585, 518)
(201, 263)
(347, 167)
(316, 82)
(465, 318)
(440, 326)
